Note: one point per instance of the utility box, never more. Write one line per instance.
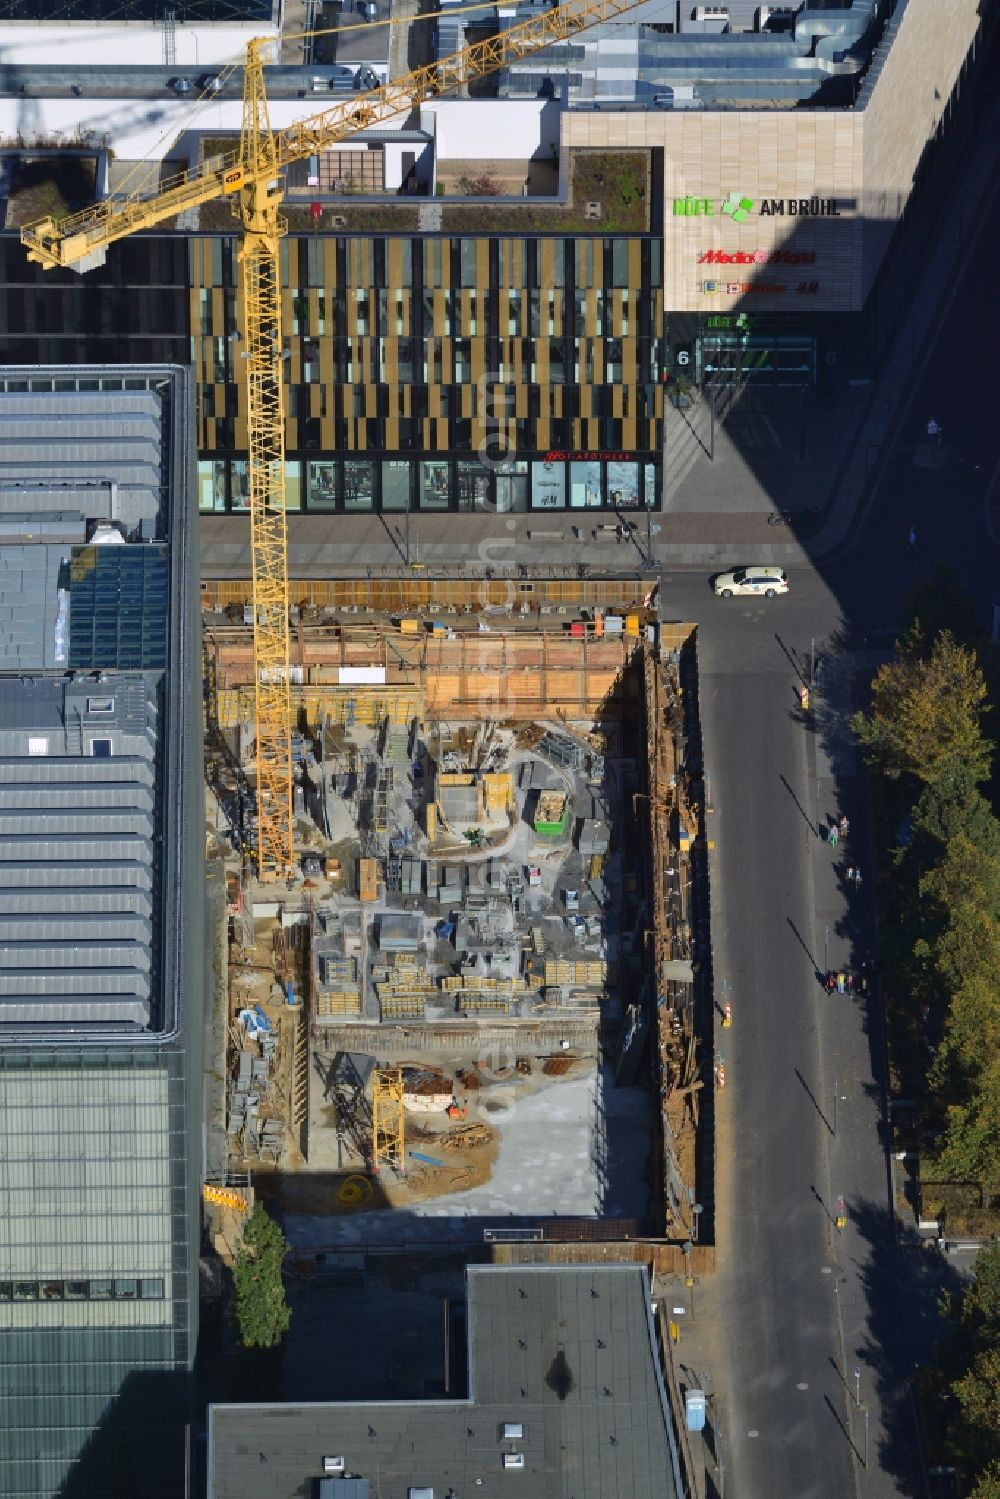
(695, 1409)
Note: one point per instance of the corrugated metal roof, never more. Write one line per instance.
(76, 851)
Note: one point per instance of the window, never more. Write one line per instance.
(616, 264)
(126, 1290)
(77, 1290)
(293, 486)
(38, 746)
(240, 480)
(512, 486)
(211, 485)
(584, 485)
(434, 486)
(321, 485)
(151, 1290)
(395, 484)
(548, 486)
(359, 484)
(473, 486)
(623, 485)
(101, 749)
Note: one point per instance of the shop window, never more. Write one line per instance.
(584, 485)
(359, 484)
(650, 486)
(435, 489)
(293, 485)
(321, 485)
(240, 484)
(512, 486)
(548, 486)
(473, 486)
(396, 484)
(623, 485)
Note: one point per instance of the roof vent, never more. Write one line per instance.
(513, 1431)
(513, 1459)
(334, 1465)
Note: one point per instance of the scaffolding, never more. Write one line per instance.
(388, 1121)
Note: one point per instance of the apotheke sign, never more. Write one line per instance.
(738, 208)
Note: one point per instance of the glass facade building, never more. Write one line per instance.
(101, 893)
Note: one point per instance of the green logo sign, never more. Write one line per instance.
(738, 208)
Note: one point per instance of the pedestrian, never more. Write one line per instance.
(850, 982)
(912, 538)
(841, 982)
(933, 430)
(831, 981)
(844, 827)
(849, 874)
(833, 836)
(857, 879)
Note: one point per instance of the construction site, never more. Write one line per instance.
(472, 1006)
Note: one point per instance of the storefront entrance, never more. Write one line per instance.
(755, 358)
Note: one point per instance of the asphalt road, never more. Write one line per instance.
(805, 1318)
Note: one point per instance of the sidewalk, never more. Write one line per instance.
(786, 455)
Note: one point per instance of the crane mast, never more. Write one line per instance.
(258, 209)
(252, 177)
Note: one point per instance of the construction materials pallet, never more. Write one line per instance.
(581, 973)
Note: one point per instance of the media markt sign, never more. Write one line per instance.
(739, 208)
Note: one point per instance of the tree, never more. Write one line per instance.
(981, 1302)
(260, 1311)
(937, 602)
(987, 1485)
(953, 804)
(483, 185)
(926, 713)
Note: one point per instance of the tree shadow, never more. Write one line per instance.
(903, 1283)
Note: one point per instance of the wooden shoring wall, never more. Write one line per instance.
(406, 595)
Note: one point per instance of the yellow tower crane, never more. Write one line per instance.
(252, 177)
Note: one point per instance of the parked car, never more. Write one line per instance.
(757, 579)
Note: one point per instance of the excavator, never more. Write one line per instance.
(252, 178)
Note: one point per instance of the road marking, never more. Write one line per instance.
(826, 1270)
(802, 1385)
(753, 1433)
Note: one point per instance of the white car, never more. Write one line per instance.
(753, 580)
